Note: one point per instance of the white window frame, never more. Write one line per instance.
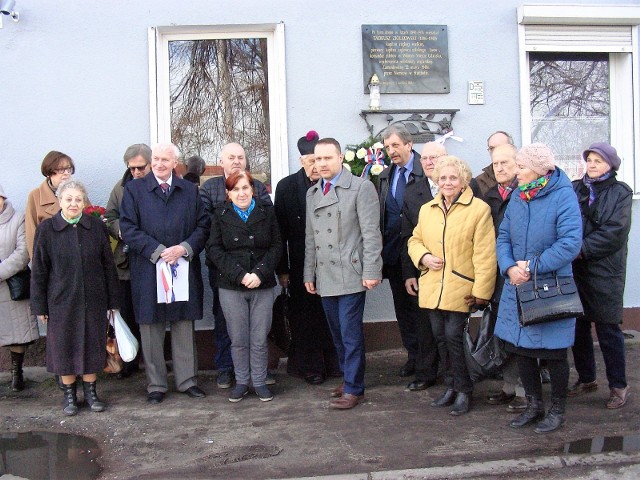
(623, 62)
(159, 38)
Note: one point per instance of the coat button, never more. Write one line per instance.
(330, 246)
(317, 248)
(332, 262)
(317, 232)
(235, 239)
(328, 230)
(250, 237)
(329, 214)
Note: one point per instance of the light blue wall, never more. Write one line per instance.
(74, 77)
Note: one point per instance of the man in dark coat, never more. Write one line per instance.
(312, 354)
(394, 182)
(487, 179)
(162, 218)
(423, 190)
(212, 194)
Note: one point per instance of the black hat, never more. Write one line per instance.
(307, 143)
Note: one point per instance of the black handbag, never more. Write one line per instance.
(20, 285)
(547, 298)
(280, 332)
(485, 354)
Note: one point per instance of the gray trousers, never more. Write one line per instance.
(248, 315)
(183, 354)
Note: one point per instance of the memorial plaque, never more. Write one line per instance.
(406, 58)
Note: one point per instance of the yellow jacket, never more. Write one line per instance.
(465, 239)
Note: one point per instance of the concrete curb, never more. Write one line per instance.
(495, 467)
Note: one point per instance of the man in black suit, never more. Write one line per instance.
(395, 183)
(312, 355)
(423, 191)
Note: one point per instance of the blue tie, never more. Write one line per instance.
(401, 186)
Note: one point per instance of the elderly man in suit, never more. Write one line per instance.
(342, 260)
(213, 193)
(162, 218)
(422, 191)
(312, 355)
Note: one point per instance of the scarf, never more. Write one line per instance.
(71, 221)
(530, 190)
(588, 182)
(244, 214)
(505, 191)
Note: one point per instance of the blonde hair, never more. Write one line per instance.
(464, 171)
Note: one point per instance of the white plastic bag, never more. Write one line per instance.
(127, 342)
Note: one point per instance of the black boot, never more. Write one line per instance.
(70, 400)
(17, 380)
(445, 399)
(534, 411)
(91, 397)
(461, 405)
(554, 418)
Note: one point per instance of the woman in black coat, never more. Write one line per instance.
(245, 247)
(600, 271)
(73, 285)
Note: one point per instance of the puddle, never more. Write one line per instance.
(622, 443)
(49, 456)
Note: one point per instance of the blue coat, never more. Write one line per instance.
(548, 227)
(151, 221)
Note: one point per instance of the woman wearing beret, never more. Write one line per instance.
(600, 271)
(541, 226)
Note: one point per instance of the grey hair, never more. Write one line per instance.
(398, 130)
(75, 184)
(168, 146)
(137, 149)
(509, 137)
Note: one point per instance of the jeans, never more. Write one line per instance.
(448, 328)
(222, 359)
(611, 341)
(344, 314)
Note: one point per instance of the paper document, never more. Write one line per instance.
(172, 281)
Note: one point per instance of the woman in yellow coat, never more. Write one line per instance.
(454, 246)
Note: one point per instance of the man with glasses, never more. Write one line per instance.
(137, 158)
(423, 191)
(487, 179)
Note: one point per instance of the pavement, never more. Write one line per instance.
(394, 434)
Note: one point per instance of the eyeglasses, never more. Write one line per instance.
(140, 169)
(433, 158)
(64, 170)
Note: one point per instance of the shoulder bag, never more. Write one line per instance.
(19, 285)
(485, 354)
(546, 298)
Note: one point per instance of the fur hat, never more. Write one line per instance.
(537, 157)
(307, 143)
(606, 151)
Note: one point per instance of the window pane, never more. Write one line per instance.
(570, 106)
(219, 94)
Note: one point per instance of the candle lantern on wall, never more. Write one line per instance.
(374, 93)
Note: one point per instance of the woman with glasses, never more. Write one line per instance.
(42, 202)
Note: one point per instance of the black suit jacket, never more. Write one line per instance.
(413, 201)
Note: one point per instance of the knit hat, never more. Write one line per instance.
(2, 193)
(537, 157)
(606, 151)
(307, 143)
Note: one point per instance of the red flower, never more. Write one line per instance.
(94, 210)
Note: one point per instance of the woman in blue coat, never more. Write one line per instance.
(541, 224)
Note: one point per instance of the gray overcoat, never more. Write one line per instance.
(343, 241)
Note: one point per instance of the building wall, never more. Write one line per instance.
(75, 77)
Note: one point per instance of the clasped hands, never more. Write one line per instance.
(251, 280)
(172, 254)
(518, 273)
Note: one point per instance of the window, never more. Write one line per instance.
(214, 85)
(577, 67)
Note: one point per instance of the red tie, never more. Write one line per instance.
(165, 187)
(327, 187)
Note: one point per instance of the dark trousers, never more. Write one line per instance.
(344, 314)
(611, 341)
(222, 358)
(530, 376)
(407, 311)
(448, 328)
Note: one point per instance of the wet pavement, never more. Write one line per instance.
(394, 434)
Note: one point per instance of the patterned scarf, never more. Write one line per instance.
(588, 181)
(244, 214)
(505, 191)
(530, 190)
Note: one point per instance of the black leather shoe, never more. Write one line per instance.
(461, 405)
(446, 399)
(408, 369)
(418, 385)
(314, 379)
(195, 392)
(155, 397)
(500, 398)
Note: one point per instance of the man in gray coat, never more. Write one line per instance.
(343, 260)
